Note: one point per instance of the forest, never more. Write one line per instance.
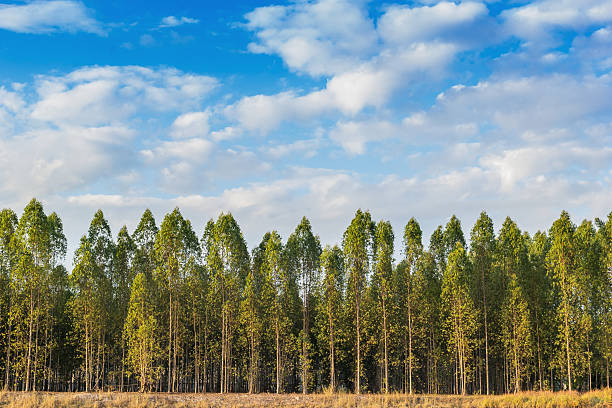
(164, 308)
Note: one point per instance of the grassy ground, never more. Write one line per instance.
(597, 399)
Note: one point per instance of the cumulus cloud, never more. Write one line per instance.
(364, 61)
(190, 124)
(172, 21)
(72, 131)
(319, 38)
(443, 21)
(534, 20)
(353, 136)
(367, 86)
(100, 95)
(41, 17)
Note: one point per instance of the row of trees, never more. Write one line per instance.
(162, 309)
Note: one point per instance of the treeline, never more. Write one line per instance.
(165, 309)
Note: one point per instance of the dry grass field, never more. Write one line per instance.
(602, 398)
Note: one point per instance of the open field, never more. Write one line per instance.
(601, 398)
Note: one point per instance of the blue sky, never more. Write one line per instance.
(274, 110)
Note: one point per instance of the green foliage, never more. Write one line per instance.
(159, 310)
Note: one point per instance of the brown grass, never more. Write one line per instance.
(598, 399)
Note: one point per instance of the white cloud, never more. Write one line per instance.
(518, 165)
(190, 124)
(172, 21)
(337, 39)
(48, 16)
(102, 95)
(516, 109)
(367, 86)
(319, 38)
(307, 147)
(534, 20)
(48, 161)
(73, 131)
(406, 25)
(353, 136)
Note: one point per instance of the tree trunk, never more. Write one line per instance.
(29, 358)
(386, 354)
(170, 342)
(569, 374)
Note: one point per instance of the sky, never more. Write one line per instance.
(276, 110)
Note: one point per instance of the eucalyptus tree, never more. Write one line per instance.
(406, 296)
(358, 247)
(540, 299)
(592, 294)
(269, 261)
(8, 226)
(140, 333)
(383, 281)
(176, 254)
(84, 281)
(605, 338)
(102, 249)
(32, 250)
(54, 302)
(303, 252)
(459, 314)
(561, 265)
(330, 307)
(512, 258)
(123, 275)
(228, 261)
(482, 250)
(427, 292)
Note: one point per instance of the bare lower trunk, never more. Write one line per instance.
(567, 347)
(277, 357)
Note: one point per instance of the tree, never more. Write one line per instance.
(84, 282)
(332, 262)
(102, 249)
(303, 255)
(413, 249)
(177, 253)
(459, 314)
(561, 262)
(8, 226)
(482, 249)
(228, 262)
(32, 249)
(383, 276)
(140, 333)
(592, 282)
(516, 325)
(122, 282)
(358, 244)
(538, 290)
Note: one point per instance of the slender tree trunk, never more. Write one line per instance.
(332, 353)
(170, 342)
(486, 337)
(567, 349)
(29, 358)
(358, 373)
(410, 342)
(8, 349)
(385, 340)
(305, 343)
(86, 357)
(277, 356)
